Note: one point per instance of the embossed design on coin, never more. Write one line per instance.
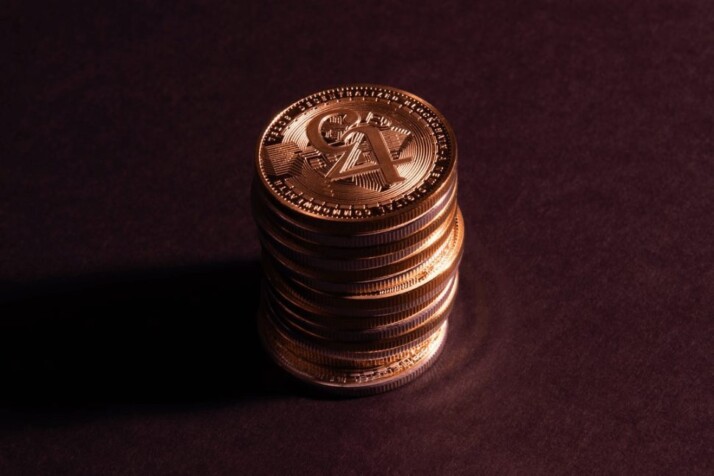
(345, 147)
(356, 152)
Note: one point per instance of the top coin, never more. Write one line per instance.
(357, 153)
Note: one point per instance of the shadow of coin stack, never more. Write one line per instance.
(355, 202)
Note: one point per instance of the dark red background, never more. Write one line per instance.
(582, 338)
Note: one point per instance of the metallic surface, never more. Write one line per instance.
(300, 175)
(355, 201)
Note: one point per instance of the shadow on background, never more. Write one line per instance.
(175, 336)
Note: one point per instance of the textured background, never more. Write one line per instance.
(582, 338)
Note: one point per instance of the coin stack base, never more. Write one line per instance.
(355, 202)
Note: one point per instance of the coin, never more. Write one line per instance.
(376, 336)
(407, 277)
(364, 156)
(357, 245)
(368, 264)
(356, 323)
(341, 235)
(355, 202)
(363, 381)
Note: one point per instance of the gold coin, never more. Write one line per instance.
(359, 324)
(293, 236)
(361, 157)
(392, 299)
(367, 381)
(347, 354)
(369, 264)
(341, 235)
(340, 330)
(447, 247)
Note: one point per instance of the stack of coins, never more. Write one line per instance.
(355, 202)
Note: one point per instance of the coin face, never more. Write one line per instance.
(356, 153)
